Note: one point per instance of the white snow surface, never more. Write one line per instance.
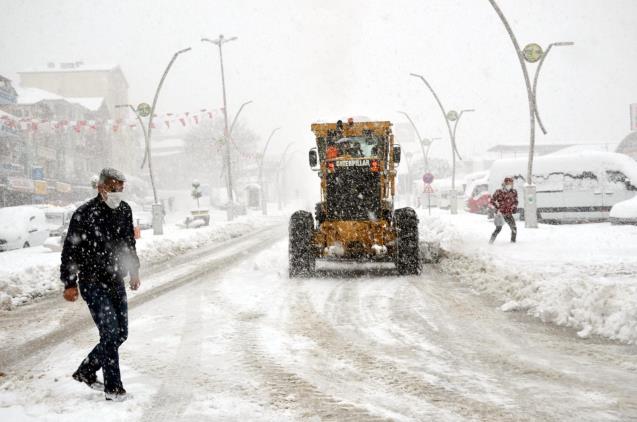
(26, 274)
(580, 276)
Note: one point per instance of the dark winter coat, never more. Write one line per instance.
(505, 201)
(100, 244)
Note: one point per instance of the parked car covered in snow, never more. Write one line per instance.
(477, 196)
(572, 188)
(624, 212)
(22, 227)
(57, 218)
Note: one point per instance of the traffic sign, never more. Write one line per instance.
(532, 52)
(143, 109)
(428, 188)
(428, 178)
(452, 116)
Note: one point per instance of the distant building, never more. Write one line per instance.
(75, 79)
(99, 88)
(628, 145)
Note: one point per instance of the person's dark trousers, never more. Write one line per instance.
(109, 309)
(508, 218)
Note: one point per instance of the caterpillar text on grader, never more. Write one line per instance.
(355, 220)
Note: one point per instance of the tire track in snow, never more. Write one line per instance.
(180, 375)
(289, 391)
(386, 372)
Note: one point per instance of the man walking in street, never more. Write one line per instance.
(99, 251)
(505, 203)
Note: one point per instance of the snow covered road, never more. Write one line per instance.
(244, 342)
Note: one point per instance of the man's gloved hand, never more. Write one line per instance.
(134, 283)
(71, 294)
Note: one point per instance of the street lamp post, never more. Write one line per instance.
(423, 142)
(448, 116)
(219, 43)
(236, 116)
(231, 130)
(537, 73)
(158, 214)
(530, 204)
(428, 142)
(264, 203)
(141, 124)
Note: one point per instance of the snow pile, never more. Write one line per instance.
(625, 210)
(581, 276)
(26, 274)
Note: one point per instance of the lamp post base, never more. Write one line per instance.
(453, 202)
(530, 207)
(158, 219)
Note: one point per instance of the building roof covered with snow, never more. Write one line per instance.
(28, 95)
(91, 103)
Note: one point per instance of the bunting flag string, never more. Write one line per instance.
(185, 119)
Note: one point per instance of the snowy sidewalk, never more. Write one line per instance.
(26, 274)
(582, 276)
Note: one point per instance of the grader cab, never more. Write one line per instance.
(355, 220)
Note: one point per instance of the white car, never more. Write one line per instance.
(624, 212)
(58, 219)
(22, 227)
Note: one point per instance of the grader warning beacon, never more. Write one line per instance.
(355, 220)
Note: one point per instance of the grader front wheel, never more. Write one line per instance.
(407, 256)
(301, 257)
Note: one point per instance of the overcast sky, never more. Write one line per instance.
(303, 60)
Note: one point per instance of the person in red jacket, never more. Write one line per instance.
(505, 203)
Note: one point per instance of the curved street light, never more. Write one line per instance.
(422, 141)
(448, 116)
(236, 116)
(530, 204)
(157, 208)
(537, 72)
(141, 124)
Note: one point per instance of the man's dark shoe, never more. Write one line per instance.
(90, 380)
(119, 394)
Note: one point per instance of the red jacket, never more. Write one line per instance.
(505, 201)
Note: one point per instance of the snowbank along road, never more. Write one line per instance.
(238, 340)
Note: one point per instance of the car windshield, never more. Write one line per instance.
(358, 146)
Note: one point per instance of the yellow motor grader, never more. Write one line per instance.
(355, 220)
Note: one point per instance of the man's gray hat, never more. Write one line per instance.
(111, 173)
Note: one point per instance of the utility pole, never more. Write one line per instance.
(219, 42)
